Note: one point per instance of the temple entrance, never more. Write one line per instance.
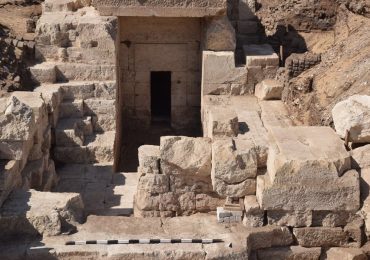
(160, 85)
(159, 82)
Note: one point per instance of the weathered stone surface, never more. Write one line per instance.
(154, 183)
(254, 215)
(289, 218)
(327, 218)
(220, 75)
(260, 55)
(32, 213)
(10, 178)
(186, 156)
(163, 8)
(233, 160)
(43, 73)
(269, 236)
(350, 236)
(247, 187)
(149, 156)
(269, 89)
(353, 115)
(365, 198)
(293, 252)
(304, 169)
(275, 114)
(207, 202)
(360, 157)
(220, 35)
(222, 123)
(345, 253)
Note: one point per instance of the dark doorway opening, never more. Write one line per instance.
(160, 82)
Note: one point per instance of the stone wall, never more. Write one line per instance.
(160, 44)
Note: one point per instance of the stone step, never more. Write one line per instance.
(71, 109)
(31, 214)
(88, 90)
(98, 148)
(102, 112)
(85, 72)
(72, 131)
(44, 73)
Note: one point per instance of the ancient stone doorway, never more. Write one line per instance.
(159, 65)
(160, 88)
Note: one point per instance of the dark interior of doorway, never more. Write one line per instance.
(160, 86)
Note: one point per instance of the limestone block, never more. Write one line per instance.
(220, 35)
(180, 183)
(10, 178)
(187, 203)
(269, 236)
(104, 122)
(185, 156)
(69, 137)
(222, 123)
(17, 121)
(289, 218)
(79, 90)
(293, 252)
(145, 202)
(33, 174)
(219, 72)
(269, 89)
(275, 114)
(64, 5)
(261, 55)
(353, 115)
(247, 187)
(313, 158)
(365, 198)
(345, 253)
(85, 72)
(71, 154)
(154, 183)
(149, 159)
(251, 128)
(254, 215)
(43, 73)
(100, 147)
(71, 109)
(329, 237)
(233, 161)
(327, 218)
(169, 202)
(106, 90)
(32, 213)
(207, 202)
(360, 157)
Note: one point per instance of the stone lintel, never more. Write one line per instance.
(163, 8)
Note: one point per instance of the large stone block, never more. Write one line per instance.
(43, 73)
(269, 89)
(149, 156)
(353, 116)
(305, 172)
(219, 72)
(223, 122)
(345, 253)
(186, 156)
(269, 236)
(254, 215)
(360, 157)
(349, 236)
(220, 35)
(234, 167)
(261, 55)
(293, 252)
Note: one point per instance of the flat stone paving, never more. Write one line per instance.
(104, 227)
(103, 192)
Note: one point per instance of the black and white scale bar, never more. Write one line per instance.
(144, 241)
